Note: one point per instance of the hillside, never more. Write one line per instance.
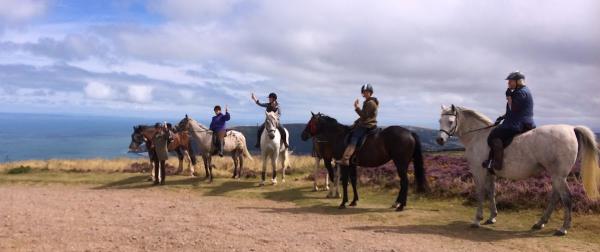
(428, 137)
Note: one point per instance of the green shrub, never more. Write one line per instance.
(19, 170)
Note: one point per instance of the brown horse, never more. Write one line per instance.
(323, 150)
(393, 143)
(180, 144)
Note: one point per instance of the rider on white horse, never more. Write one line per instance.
(367, 121)
(271, 106)
(517, 119)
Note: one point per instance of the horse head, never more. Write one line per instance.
(137, 138)
(271, 122)
(311, 127)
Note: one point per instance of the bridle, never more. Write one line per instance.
(313, 131)
(452, 131)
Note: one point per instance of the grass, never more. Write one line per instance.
(424, 215)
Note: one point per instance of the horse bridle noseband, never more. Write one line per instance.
(452, 131)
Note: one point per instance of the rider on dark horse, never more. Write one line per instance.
(517, 119)
(217, 125)
(367, 121)
(271, 106)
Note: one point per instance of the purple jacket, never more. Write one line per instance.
(218, 122)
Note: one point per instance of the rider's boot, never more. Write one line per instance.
(347, 155)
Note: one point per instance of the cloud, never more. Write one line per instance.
(140, 93)
(98, 90)
(21, 10)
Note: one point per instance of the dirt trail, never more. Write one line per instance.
(77, 218)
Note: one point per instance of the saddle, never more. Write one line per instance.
(363, 139)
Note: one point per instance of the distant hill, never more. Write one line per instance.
(427, 136)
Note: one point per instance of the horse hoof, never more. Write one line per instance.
(342, 206)
(400, 208)
(353, 204)
(283, 181)
(560, 233)
(537, 227)
(490, 222)
(395, 205)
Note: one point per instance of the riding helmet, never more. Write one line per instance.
(158, 125)
(273, 95)
(366, 87)
(516, 75)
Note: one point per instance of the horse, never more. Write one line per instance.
(235, 145)
(550, 148)
(323, 150)
(393, 143)
(272, 147)
(179, 145)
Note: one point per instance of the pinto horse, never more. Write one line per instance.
(180, 145)
(393, 143)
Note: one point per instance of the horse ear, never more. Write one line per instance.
(186, 116)
(313, 114)
(453, 108)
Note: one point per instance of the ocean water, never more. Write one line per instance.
(33, 136)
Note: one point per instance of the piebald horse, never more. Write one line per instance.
(553, 148)
(235, 145)
(180, 145)
(271, 147)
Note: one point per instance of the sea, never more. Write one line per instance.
(42, 136)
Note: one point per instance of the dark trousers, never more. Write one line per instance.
(357, 134)
(262, 128)
(159, 165)
(220, 141)
(505, 135)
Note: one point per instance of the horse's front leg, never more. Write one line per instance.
(480, 196)
(344, 173)
(206, 165)
(274, 168)
(264, 170)
(180, 158)
(315, 174)
(353, 180)
(241, 162)
(190, 164)
(491, 189)
(235, 164)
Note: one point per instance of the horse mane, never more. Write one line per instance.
(330, 122)
(197, 124)
(478, 116)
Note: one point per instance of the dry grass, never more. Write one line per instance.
(223, 166)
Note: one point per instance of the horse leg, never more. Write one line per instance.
(315, 173)
(338, 173)
(210, 167)
(241, 162)
(193, 159)
(554, 198)
(353, 180)
(190, 165)
(180, 158)
(330, 176)
(274, 169)
(344, 171)
(491, 189)
(565, 195)
(235, 164)
(206, 165)
(284, 162)
(264, 170)
(480, 195)
(402, 169)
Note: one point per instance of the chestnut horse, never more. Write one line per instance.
(180, 145)
(393, 143)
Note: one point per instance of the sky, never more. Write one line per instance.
(159, 58)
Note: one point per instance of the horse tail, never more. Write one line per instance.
(245, 151)
(420, 177)
(589, 161)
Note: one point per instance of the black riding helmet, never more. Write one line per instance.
(516, 75)
(273, 95)
(366, 87)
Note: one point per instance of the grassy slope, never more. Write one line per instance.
(423, 215)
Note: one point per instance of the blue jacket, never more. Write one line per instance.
(519, 116)
(218, 122)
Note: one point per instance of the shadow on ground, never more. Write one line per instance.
(459, 230)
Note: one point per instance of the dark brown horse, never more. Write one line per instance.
(393, 143)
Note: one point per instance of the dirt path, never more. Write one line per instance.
(77, 218)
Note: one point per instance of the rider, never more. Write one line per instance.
(217, 125)
(271, 106)
(160, 144)
(517, 119)
(367, 121)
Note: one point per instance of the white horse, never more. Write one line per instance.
(271, 147)
(553, 148)
(235, 145)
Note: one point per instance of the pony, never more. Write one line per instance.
(392, 143)
(179, 145)
(323, 150)
(272, 147)
(550, 148)
(235, 145)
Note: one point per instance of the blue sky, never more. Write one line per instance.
(168, 58)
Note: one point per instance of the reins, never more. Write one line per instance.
(452, 131)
